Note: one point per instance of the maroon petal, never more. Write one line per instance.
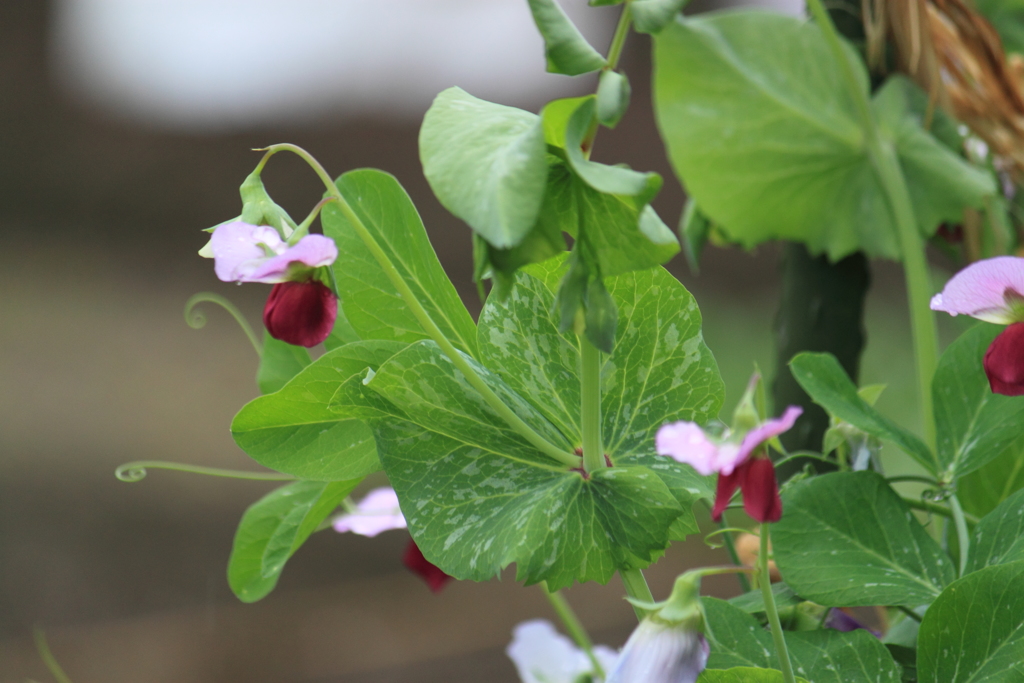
(727, 485)
(1004, 362)
(760, 491)
(429, 572)
(300, 313)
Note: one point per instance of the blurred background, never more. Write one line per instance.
(125, 129)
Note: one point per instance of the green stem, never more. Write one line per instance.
(890, 175)
(772, 611)
(196, 320)
(429, 326)
(590, 390)
(136, 471)
(636, 588)
(730, 546)
(935, 508)
(574, 626)
(619, 39)
(43, 648)
(962, 537)
(910, 613)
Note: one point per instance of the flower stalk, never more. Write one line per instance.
(764, 578)
(574, 626)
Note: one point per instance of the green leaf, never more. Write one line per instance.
(612, 98)
(999, 537)
(743, 675)
(371, 303)
(762, 129)
(661, 372)
(613, 180)
(478, 497)
(273, 528)
(753, 602)
(519, 338)
(650, 16)
(342, 333)
(827, 383)
(295, 431)
(985, 488)
(940, 181)
(619, 233)
(973, 425)
(555, 117)
(847, 539)
(826, 656)
(485, 162)
(544, 241)
(568, 52)
(974, 631)
(1007, 17)
(279, 363)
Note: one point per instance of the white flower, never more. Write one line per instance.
(543, 655)
(378, 511)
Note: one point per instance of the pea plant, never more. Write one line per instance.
(573, 428)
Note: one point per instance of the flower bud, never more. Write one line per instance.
(1004, 362)
(659, 652)
(667, 646)
(424, 568)
(300, 313)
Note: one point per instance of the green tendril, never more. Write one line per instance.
(43, 648)
(137, 471)
(196, 319)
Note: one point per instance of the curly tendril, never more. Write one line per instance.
(196, 319)
(137, 471)
(718, 532)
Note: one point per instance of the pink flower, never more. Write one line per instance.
(300, 310)
(378, 511)
(993, 290)
(256, 253)
(687, 443)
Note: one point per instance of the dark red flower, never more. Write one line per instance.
(756, 479)
(429, 572)
(300, 313)
(1004, 362)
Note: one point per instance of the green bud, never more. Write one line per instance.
(259, 209)
(612, 98)
(746, 415)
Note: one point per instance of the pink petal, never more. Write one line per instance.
(312, 251)
(773, 427)
(686, 442)
(237, 251)
(986, 290)
(377, 512)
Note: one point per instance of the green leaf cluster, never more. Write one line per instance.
(477, 495)
(523, 181)
(762, 128)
